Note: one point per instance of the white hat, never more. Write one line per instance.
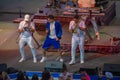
(27, 17)
(109, 75)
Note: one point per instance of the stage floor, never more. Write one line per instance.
(9, 50)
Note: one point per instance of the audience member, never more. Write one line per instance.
(5, 76)
(46, 75)
(65, 75)
(1, 76)
(63, 4)
(84, 75)
(109, 75)
(21, 76)
(73, 3)
(35, 77)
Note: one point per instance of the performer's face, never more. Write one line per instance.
(76, 20)
(27, 21)
(50, 20)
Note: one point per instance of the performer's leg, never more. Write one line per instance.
(44, 56)
(22, 44)
(93, 21)
(73, 50)
(46, 45)
(34, 55)
(81, 47)
(56, 45)
(59, 56)
(31, 45)
(44, 52)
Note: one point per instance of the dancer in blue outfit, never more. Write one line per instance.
(54, 33)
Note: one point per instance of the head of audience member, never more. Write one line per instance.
(46, 75)
(50, 18)
(65, 75)
(50, 2)
(35, 77)
(109, 75)
(83, 72)
(74, 0)
(74, 3)
(64, 71)
(21, 76)
(5, 76)
(1, 75)
(83, 77)
(63, 1)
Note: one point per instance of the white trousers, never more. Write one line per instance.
(29, 42)
(75, 42)
(93, 21)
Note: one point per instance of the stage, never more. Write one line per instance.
(9, 50)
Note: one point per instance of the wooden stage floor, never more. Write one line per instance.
(9, 50)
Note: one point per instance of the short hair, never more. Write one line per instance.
(51, 16)
(46, 75)
(76, 17)
(35, 77)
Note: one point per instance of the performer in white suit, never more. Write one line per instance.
(77, 28)
(26, 29)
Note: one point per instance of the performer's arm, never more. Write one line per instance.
(70, 26)
(82, 25)
(47, 27)
(20, 28)
(32, 27)
(59, 31)
(46, 31)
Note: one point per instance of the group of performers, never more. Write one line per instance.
(77, 27)
(67, 4)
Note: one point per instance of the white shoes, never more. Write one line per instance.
(34, 60)
(21, 60)
(71, 62)
(43, 59)
(98, 37)
(59, 59)
(81, 62)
